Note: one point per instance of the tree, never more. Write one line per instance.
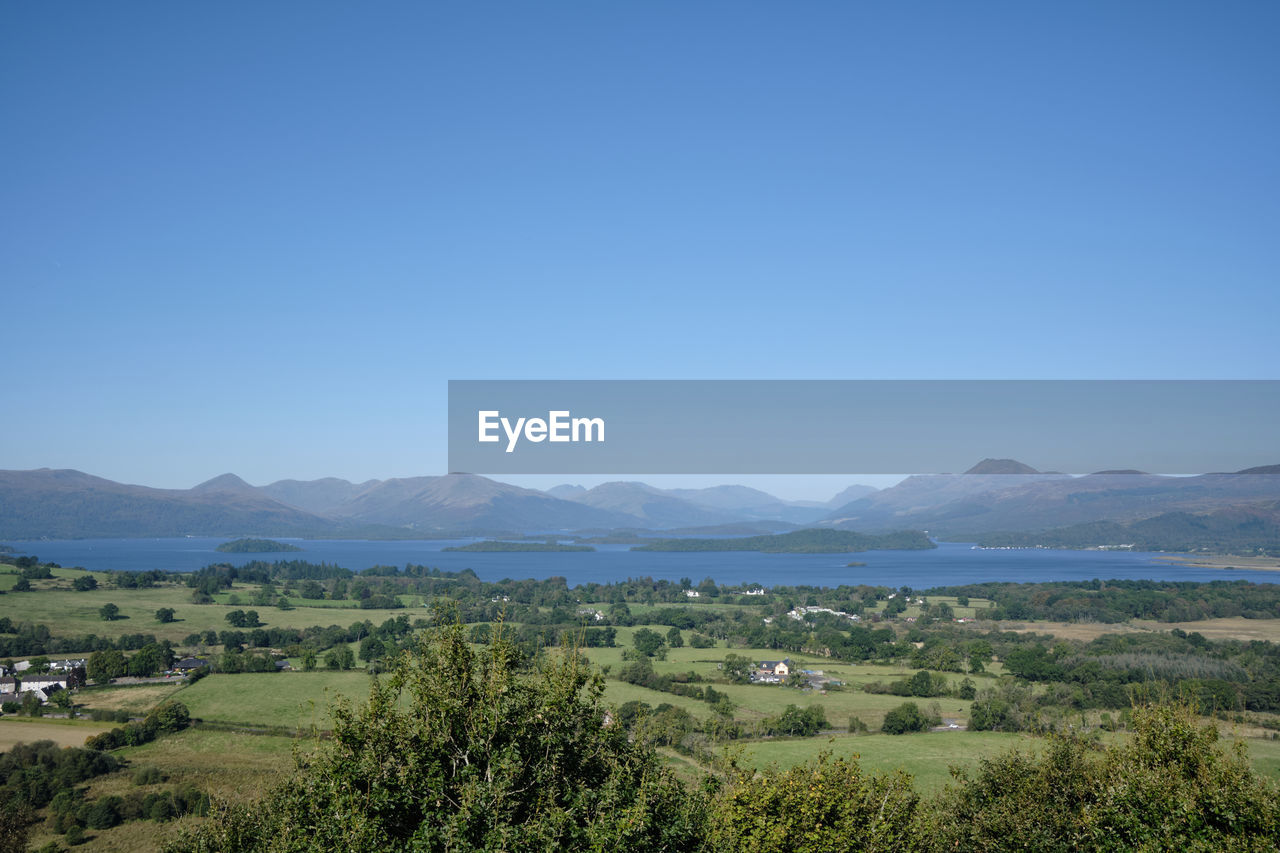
(109, 612)
(15, 827)
(164, 614)
(737, 668)
(62, 700)
(674, 640)
(459, 750)
(647, 642)
(308, 659)
(84, 583)
(1169, 787)
(106, 665)
(905, 718)
(815, 807)
(798, 722)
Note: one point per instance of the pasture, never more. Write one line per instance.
(15, 730)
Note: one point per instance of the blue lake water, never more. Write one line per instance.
(951, 564)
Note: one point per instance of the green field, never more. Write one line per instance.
(1265, 755)
(53, 602)
(926, 756)
(294, 700)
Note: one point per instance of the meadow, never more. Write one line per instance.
(250, 725)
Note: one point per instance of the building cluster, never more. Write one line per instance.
(14, 684)
(19, 680)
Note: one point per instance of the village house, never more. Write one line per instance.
(773, 671)
(189, 664)
(45, 685)
(67, 665)
(8, 688)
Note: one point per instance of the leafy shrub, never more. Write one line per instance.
(905, 718)
(457, 749)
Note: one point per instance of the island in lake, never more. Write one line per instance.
(498, 546)
(814, 541)
(255, 546)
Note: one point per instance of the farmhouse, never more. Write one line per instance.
(67, 665)
(189, 664)
(777, 668)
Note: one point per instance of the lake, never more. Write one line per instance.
(951, 564)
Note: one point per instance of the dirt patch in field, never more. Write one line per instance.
(14, 731)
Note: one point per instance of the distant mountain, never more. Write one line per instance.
(955, 505)
(566, 491)
(65, 504)
(921, 494)
(851, 494)
(1247, 529)
(71, 504)
(751, 504)
(1001, 466)
(466, 502)
(651, 507)
(319, 496)
(225, 483)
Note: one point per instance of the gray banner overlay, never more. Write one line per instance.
(860, 426)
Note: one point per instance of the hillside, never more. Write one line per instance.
(965, 504)
(65, 504)
(1237, 530)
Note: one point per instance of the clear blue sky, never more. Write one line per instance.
(260, 237)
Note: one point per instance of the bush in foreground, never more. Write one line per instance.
(1169, 788)
(457, 750)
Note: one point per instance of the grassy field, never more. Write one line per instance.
(757, 701)
(1265, 755)
(926, 756)
(54, 602)
(226, 765)
(295, 700)
(137, 699)
(62, 732)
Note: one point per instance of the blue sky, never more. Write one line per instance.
(261, 237)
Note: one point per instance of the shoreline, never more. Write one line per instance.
(1226, 562)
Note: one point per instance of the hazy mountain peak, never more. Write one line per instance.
(851, 494)
(224, 483)
(566, 491)
(1001, 466)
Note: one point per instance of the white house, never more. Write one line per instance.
(47, 684)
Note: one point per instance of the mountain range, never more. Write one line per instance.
(64, 504)
(984, 500)
(995, 496)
